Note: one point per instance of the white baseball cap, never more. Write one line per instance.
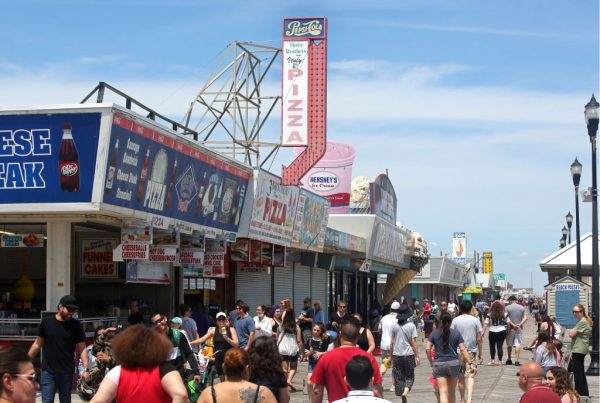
(221, 314)
(395, 305)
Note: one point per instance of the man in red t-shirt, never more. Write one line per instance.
(530, 380)
(331, 368)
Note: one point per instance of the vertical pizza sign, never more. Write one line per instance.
(304, 93)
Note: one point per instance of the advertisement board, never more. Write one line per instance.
(310, 224)
(459, 247)
(488, 263)
(341, 240)
(383, 198)
(162, 175)
(294, 114)
(22, 240)
(97, 259)
(304, 93)
(388, 245)
(147, 272)
(48, 158)
(274, 210)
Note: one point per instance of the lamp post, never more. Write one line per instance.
(592, 116)
(564, 231)
(562, 242)
(569, 218)
(576, 174)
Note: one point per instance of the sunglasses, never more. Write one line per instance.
(32, 377)
(342, 306)
(221, 318)
(157, 322)
(576, 311)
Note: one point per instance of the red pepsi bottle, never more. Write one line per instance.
(68, 161)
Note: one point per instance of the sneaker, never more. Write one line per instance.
(392, 389)
(509, 362)
(517, 363)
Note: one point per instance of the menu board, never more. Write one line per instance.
(150, 171)
(147, 272)
(312, 214)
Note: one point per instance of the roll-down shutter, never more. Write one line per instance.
(302, 287)
(319, 288)
(284, 282)
(253, 288)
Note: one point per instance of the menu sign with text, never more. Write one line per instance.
(97, 258)
(22, 240)
(151, 171)
(312, 213)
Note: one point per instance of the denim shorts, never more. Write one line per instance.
(446, 369)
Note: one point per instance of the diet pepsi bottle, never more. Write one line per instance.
(68, 161)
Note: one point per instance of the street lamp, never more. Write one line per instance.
(565, 231)
(562, 242)
(576, 174)
(592, 112)
(569, 218)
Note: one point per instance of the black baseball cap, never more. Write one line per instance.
(69, 302)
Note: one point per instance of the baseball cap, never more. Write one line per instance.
(512, 298)
(221, 314)
(395, 305)
(177, 320)
(69, 301)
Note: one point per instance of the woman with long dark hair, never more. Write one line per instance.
(236, 388)
(289, 342)
(557, 379)
(580, 345)
(366, 341)
(266, 368)
(445, 364)
(19, 383)
(546, 353)
(496, 322)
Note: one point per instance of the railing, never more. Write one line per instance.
(27, 329)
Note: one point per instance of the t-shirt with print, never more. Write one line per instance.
(318, 346)
(468, 326)
(403, 335)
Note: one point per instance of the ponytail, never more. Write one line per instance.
(446, 320)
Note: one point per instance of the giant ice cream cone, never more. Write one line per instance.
(395, 283)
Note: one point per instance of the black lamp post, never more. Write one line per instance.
(562, 242)
(565, 231)
(592, 116)
(569, 218)
(576, 174)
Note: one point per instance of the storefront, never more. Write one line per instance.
(440, 279)
(279, 239)
(107, 205)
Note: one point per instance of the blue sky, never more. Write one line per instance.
(475, 108)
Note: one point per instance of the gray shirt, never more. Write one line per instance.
(515, 313)
(468, 326)
(403, 336)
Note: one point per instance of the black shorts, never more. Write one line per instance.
(289, 358)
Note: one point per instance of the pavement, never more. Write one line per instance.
(492, 384)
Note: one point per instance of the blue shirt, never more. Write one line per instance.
(243, 327)
(319, 317)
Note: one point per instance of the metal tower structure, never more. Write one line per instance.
(230, 110)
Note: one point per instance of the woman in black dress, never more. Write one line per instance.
(366, 341)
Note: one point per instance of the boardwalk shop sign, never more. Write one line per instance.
(383, 198)
(40, 157)
(568, 287)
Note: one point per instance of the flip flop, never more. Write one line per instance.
(292, 388)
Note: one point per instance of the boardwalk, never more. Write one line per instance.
(492, 384)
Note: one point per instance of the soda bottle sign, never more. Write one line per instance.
(68, 161)
(112, 167)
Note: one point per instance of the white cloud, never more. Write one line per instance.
(524, 254)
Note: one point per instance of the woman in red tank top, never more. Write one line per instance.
(144, 374)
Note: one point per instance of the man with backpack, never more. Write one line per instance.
(182, 351)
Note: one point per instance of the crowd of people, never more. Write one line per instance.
(256, 357)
